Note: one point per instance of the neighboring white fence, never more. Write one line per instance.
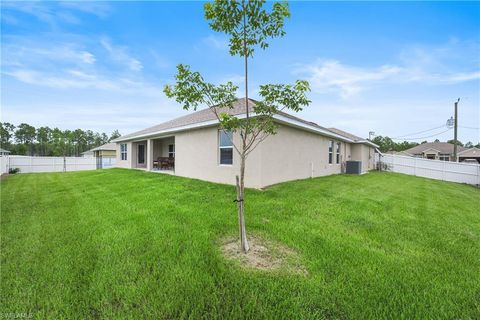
(105, 163)
(50, 164)
(3, 164)
(434, 169)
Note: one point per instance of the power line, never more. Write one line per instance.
(474, 128)
(418, 138)
(413, 133)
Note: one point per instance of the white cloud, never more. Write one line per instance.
(18, 52)
(99, 9)
(428, 66)
(87, 57)
(120, 55)
(53, 13)
(77, 79)
(216, 42)
(460, 77)
(331, 75)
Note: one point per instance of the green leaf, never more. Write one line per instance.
(247, 23)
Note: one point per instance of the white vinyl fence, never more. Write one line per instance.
(3, 164)
(50, 164)
(435, 169)
(105, 163)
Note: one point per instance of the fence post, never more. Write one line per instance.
(415, 166)
(478, 175)
(443, 171)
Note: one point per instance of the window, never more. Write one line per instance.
(444, 157)
(339, 144)
(226, 146)
(171, 151)
(123, 151)
(330, 152)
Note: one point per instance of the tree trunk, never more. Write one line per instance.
(241, 207)
(241, 181)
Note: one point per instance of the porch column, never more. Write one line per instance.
(149, 154)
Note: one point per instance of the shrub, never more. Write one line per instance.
(13, 170)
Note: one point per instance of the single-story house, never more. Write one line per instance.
(399, 153)
(194, 146)
(443, 151)
(4, 152)
(106, 155)
(469, 154)
(88, 154)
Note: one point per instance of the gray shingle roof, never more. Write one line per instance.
(112, 146)
(195, 117)
(346, 134)
(443, 147)
(208, 115)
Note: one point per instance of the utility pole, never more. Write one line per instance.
(455, 131)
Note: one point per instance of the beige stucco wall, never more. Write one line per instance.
(106, 153)
(294, 154)
(124, 163)
(197, 156)
(365, 154)
(291, 154)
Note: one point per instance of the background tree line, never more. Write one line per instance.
(25, 139)
(387, 144)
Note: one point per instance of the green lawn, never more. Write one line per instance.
(130, 244)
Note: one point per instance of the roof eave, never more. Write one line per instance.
(277, 117)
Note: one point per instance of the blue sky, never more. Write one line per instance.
(389, 67)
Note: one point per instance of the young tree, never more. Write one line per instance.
(248, 25)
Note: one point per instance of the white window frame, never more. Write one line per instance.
(220, 147)
(123, 151)
(171, 154)
(331, 144)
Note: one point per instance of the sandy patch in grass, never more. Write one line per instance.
(263, 255)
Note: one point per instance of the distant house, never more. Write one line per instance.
(443, 151)
(469, 154)
(105, 154)
(88, 154)
(195, 146)
(4, 152)
(399, 153)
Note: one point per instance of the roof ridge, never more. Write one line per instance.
(203, 115)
